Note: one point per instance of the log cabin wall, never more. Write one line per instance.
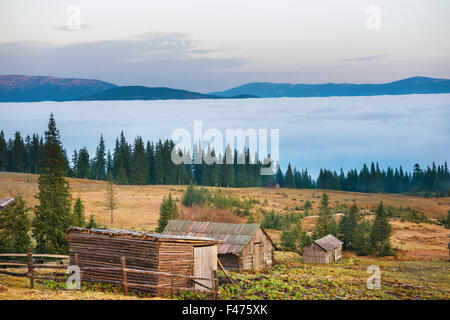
(247, 255)
(96, 250)
(153, 252)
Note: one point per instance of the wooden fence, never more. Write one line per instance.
(32, 275)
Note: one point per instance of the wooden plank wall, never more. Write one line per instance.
(205, 264)
(175, 258)
(315, 254)
(246, 256)
(95, 250)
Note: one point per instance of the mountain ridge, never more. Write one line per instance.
(23, 88)
(413, 85)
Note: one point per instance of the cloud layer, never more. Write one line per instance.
(314, 132)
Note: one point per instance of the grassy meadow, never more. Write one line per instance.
(420, 269)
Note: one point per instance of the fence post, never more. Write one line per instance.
(30, 268)
(215, 285)
(124, 277)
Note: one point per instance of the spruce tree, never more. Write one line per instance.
(381, 229)
(289, 239)
(361, 243)
(139, 164)
(83, 168)
(99, 166)
(52, 214)
(347, 227)
(289, 181)
(167, 211)
(325, 223)
(79, 219)
(227, 171)
(3, 152)
(18, 153)
(14, 228)
(92, 224)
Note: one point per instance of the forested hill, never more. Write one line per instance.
(415, 85)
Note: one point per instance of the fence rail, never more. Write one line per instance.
(31, 274)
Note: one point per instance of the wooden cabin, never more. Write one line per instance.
(187, 255)
(242, 246)
(323, 250)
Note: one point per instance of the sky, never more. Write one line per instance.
(209, 45)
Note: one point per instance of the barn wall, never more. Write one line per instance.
(315, 254)
(246, 256)
(95, 250)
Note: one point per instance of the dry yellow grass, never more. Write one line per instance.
(138, 208)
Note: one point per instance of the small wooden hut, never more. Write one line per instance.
(242, 246)
(184, 255)
(323, 250)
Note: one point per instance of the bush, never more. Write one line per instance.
(195, 196)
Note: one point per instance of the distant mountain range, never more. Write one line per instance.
(18, 88)
(39, 88)
(413, 85)
(157, 93)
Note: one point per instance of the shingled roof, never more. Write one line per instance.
(234, 236)
(329, 242)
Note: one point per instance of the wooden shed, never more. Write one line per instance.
(186, 255)
(323, 250)
(242, 246)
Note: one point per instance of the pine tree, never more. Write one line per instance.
(14, 228)
(139, 164)
(228, 168)
(99, 166)
(111, 198)
(79, 219)
(289, 181)
(279, 177)
(83, 168)
(52, 214)
(167, 212)
(18, 153)
(92, 224)
(122, 175)
(289, 239)
(347, 227)
(3, 152)
(361, 244)
(381, 229)
(325, 223)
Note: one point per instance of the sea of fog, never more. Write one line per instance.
(315, 133)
